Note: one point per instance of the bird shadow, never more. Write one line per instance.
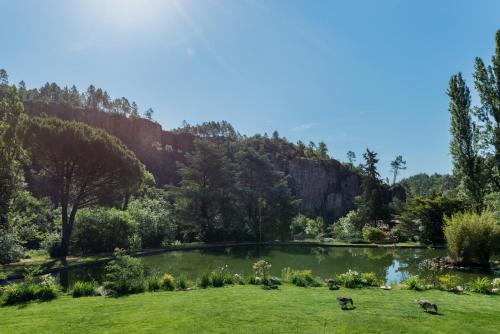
(434, 313)
(352, 308)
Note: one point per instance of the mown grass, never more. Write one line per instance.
(250, 309)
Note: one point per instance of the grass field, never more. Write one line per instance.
(250, 309)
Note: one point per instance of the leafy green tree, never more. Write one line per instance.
(370, 165)
(203, 199)
(430, 185)
(487, 82)
(351, 157)
(322, 151)
(396, 165)
(11, 119)
(155, 217)
(266, 202)
(80, 166)
(429, 213)
(32, 219)
(467, 163)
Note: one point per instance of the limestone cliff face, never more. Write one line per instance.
(324, 187)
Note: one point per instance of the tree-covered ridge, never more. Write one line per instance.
(430, 185)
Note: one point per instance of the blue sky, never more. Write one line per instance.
(354, 74)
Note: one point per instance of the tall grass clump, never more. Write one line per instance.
(472, 237)
(480, 285)
(302, 278)
(182, 283)
(84, 289)
(204, 280)
(413, 283)
(168, 282)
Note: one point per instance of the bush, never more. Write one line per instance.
(449, 282)
(302, 278)
(17, 293)
(495, 284)
(153, 283)
(204, 280)
(124, 275)
(262, 269)
(348, 227)
(84, 289)
(472, 237)
(52, 244)
(480, 285)
(373, 234)
(99, 230)
(252, 279)
(413, 283)
(238, 279)
(168, 282)
(182, 282)
(370, 279)
(352, 279)
(10, 250)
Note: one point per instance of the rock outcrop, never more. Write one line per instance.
(324, 187)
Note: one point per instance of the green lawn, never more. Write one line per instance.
(250, 309)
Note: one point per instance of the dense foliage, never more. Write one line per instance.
(471, 237)
(99, 230)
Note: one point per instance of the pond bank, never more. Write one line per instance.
(48, 266)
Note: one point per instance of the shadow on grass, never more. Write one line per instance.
(352, 308)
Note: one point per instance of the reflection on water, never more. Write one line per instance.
(389, 263)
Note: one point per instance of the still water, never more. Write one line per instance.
(391, 264)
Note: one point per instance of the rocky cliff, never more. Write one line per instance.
(324, 187)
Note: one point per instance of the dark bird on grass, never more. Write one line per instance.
(343, 301)
(427, 305)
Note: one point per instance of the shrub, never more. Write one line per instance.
(352, 279)
(495, 284)
(480, 285)
(304, 278)
(413, 283)
(168, 282)
(124, 275)
(84, 289)
(370, 279)
(47, 289)
(449, 282)
(373, 234)
(17, 293)
(10, 250)
(99, 230)
(153, 283)
(228, 279)
(252, 279)
(472, 237)
(52, 244)
(182, 282)
(238, 279)
(217, 279)
(262, 269)
(348, 227)
(204, 281)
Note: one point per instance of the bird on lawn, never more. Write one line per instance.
(427, 305)
(343, 301)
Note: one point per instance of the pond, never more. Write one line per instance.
(391, 264)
